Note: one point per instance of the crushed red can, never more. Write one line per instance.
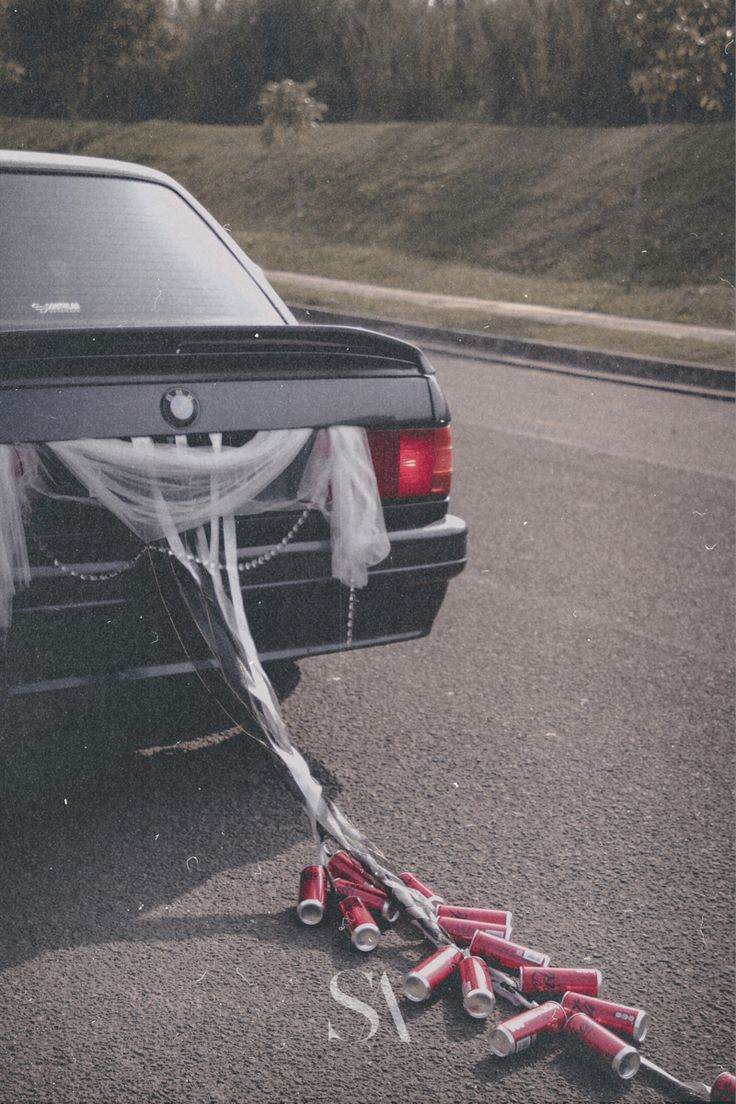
(344, 865)
(629, 1021)
(485, 915)
(524, 1028)
(620, 1056)
(424, 978)
(462, 931)
(412, 882)
(312, 894)
(723, 1089)
(502, 952)
(371, 896)
(363, 930)
(533, 979)
(478, 997)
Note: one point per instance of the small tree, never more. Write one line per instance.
(289, 114)
(679, 48)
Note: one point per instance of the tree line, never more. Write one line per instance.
(522, 62)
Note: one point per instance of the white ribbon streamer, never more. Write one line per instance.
(162, 491)
(17, 472)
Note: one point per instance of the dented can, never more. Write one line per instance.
(484, 915)
(629, 1021)
(312, 895)
(371, 896)
(462, 931)
(424, 978)
(412, 882)
(723, 1089)
(344, 865)
(620, 1056)
(504, 953)
(363, 930)
(533, 979)
(478, 997)
(518, 1032)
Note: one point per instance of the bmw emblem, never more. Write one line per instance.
(179, 407)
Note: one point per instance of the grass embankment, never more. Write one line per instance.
(536, 215)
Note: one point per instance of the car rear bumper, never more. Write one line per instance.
(69, 633)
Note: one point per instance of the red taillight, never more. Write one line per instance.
(412, 463)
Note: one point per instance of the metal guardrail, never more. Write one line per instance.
(694, 379)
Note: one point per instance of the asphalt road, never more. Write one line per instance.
(561, 745)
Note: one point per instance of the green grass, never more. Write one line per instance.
(703, 304)
(542, 215)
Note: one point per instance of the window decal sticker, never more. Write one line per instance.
(56, 308)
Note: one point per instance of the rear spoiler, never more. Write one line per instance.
(103, 353)
(62, 385)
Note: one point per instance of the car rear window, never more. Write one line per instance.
(96, 251)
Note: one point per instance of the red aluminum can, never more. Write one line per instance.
(622, 1058)
(462, 931)
(312, 894)
(508, 1036)
(486, 916)
(371, 896)
(478, 997)
(344, 865)
(723, 1089)
(629, 1021)
(364, 933)
(554, 980)
(430, 973)
(504, 953)
(413, 883)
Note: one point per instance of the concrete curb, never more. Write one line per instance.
(303, 284)
(678, 375)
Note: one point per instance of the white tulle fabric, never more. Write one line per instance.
(132, 478)
(17, 473)
(129, 478)
(161, 490)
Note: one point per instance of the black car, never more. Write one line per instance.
(126, 311)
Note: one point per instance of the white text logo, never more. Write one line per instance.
(368, 1011)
